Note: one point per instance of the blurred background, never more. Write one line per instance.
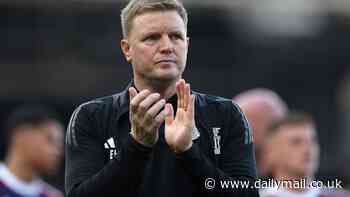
(63, 53)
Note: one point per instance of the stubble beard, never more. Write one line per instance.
(158, 81)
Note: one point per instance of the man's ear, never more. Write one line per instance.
(125, 46)
(188, 41)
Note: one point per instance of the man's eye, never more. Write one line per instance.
(151, 38)
(176, 37)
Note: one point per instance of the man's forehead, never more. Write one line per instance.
(297, 130)
(53, 127)
(158, 19)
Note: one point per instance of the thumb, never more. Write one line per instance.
(191, 107)
(132, 93)
(169, 117)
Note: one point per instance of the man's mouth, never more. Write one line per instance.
(165, 61)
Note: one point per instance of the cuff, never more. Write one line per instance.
(136, 147)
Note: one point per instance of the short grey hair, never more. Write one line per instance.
(138, 7)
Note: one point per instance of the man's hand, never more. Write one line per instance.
(145, 118)
(178, 130)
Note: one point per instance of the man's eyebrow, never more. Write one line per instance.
(157, 32)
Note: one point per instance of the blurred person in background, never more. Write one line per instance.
(342, 160)
(34, 139)
(262, 108)
(293, 155)
(133, 143)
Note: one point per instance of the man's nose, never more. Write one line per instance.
(166, 44)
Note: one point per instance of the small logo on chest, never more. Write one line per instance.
(110, 145)
(216, 138)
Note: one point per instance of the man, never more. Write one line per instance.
(35, 147)
(293, 153)
(262, 107)
(157, 137)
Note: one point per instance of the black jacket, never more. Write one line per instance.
(102, 159)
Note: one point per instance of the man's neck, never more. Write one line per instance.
(166, 89)
(297, 187)
(18, 167)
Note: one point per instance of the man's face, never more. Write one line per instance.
(157, 46)
(44, 147)
(261, 112)
(259, 119)
(296, 150)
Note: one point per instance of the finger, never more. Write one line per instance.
(181, 88)
(178, 94)
(160, 118)
(147, 103)
(132, 93)
(191, 107)
(180, 114)
(154, 110)
(169, 118)
(187, 96)
(138, 98)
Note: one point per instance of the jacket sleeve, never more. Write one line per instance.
(236, 163)
(86, 174)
